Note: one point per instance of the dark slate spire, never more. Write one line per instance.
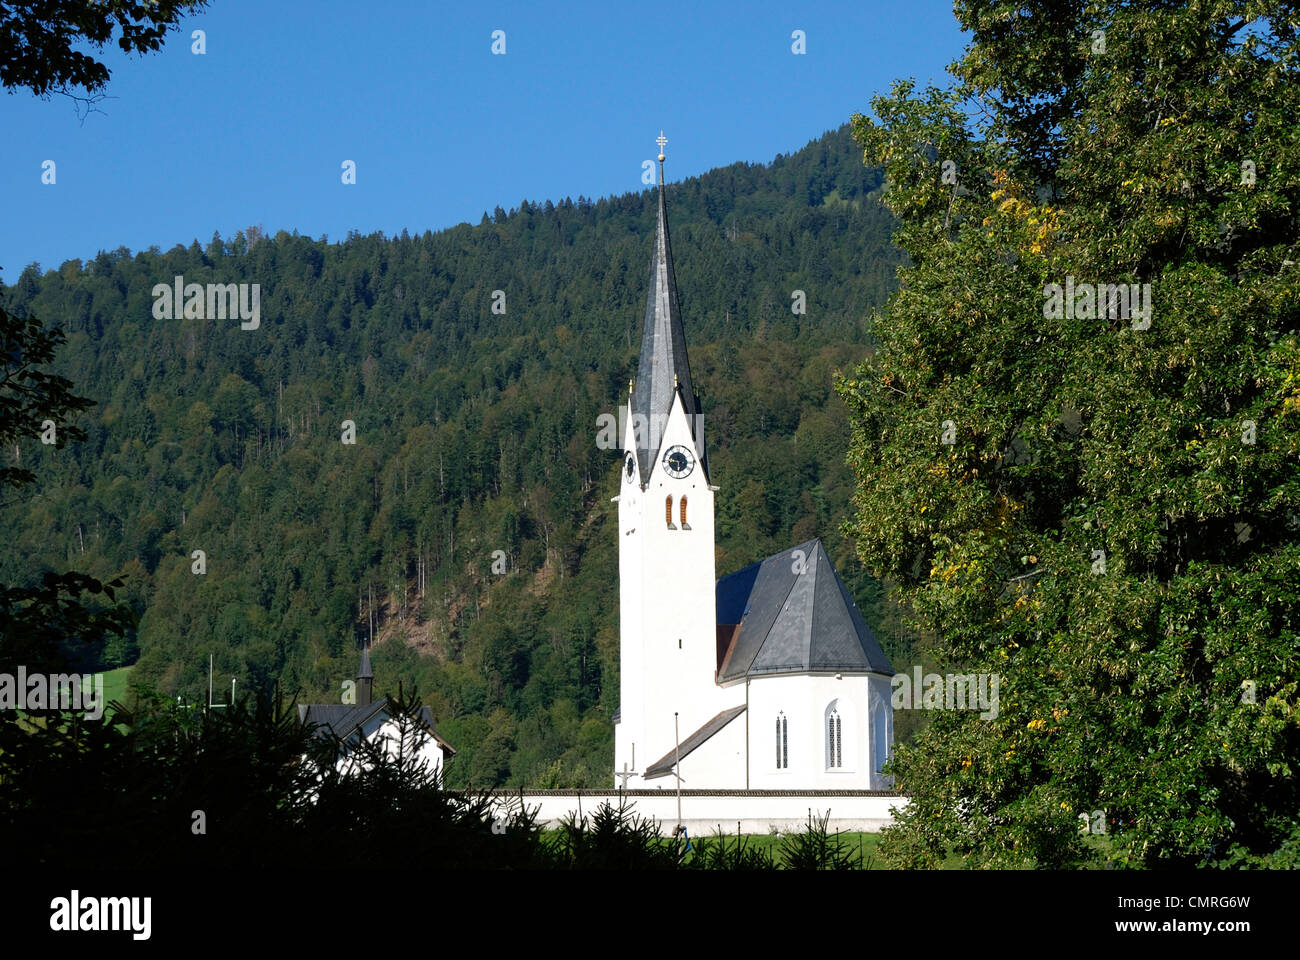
(663, 368)
(365, 678)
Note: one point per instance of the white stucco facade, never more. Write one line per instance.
(668, 635)
(805, 704)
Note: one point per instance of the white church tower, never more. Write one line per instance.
(769, 678)
(668, 649)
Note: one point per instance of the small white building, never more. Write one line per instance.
(372, 722)
(769, 678)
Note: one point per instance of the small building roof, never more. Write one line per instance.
(664, 765)
(343, 720)
(793, 614)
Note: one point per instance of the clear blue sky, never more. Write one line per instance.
(255, 130)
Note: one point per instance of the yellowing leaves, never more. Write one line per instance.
(1032, 227)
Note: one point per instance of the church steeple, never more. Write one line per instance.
(668, 629)
(663, 369)
(365, 678)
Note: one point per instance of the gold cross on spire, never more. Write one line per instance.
(662, 141)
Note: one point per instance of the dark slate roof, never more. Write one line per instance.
(333, 717)
(343, 720)
(664, 765)
(794, 622)
(663, 354)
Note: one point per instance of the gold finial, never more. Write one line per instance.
(662, 141)
(674, 381)
(629, 387)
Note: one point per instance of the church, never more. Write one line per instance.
(766, 679)
(372, 721)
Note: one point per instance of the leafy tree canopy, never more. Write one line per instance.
(1100, 507)
(39, 39)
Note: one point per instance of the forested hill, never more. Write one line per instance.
(476, 432)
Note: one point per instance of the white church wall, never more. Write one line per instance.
(717, 764)
(755, 812)
(630, 751)
(670, 611)
(806, 700)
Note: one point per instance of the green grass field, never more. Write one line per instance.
(115, 685)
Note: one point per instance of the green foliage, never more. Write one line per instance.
(816, 848)
(165, 786)
(40, 39)
(29, 394)
(53, 619)
(1159, 687)
(121, 791)
(476, 433)
(724, 852)
(124, 793)
(613, 838)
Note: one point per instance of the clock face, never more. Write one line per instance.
(679, 462)
(630, 466)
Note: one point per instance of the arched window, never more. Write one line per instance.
(782, 742)
(879, 734)
(834, 739)
(668, 513)
(683, 511)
